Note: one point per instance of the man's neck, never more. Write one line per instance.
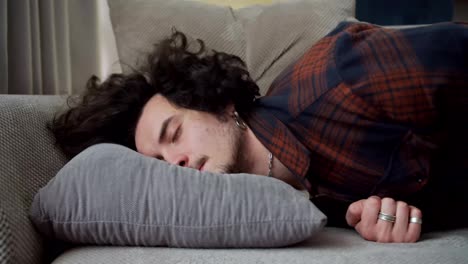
(255, 160)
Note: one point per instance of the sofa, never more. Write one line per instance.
(29, 160)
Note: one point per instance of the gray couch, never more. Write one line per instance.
(29, 160)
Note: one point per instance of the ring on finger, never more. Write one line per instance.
(387, 217)
(415, 220)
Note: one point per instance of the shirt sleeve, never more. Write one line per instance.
(415, 77)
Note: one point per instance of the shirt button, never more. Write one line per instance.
(420, 180)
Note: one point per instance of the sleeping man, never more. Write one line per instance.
(371, 122)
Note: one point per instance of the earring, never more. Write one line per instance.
(239, 122)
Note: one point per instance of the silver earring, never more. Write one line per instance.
(239, 122)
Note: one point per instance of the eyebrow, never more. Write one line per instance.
(162, 133)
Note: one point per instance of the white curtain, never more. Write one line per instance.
(54, 46)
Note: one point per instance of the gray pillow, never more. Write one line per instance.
(109, 194)
(267, 37)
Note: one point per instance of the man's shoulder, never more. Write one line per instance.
(351, 27)
(314, 73)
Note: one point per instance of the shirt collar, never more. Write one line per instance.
(280, 141)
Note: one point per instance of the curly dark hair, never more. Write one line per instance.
(108, 112)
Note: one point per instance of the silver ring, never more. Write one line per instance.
(387, 217)
(415, 220)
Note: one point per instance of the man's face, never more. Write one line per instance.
(188, 138)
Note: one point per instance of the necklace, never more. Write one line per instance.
(270, 164)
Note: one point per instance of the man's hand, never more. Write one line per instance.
(363, 215)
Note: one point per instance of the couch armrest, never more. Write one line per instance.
(6, 246)
(28, 160)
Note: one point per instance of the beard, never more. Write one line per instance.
(235, 148)
(233, 166)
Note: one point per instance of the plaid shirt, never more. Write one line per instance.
(359, 113)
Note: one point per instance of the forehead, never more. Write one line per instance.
(156, 110)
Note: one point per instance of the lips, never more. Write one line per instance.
(202, 165)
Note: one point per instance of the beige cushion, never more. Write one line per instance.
(332, 246)
(236, 4)
(266, 37)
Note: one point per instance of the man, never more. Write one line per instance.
(370, 121)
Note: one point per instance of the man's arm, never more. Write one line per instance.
(412, 77)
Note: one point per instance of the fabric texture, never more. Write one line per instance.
(6, 244)
(236, 4)
(366, 110)
(333, 245)
(112, 195)
(28, 161)
(267, 37)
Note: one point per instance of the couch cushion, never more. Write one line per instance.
(266, 37)
(109, 194)
(28, 160)
(333, 245)
(236, 4)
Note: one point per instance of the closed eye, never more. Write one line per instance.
(177, 134)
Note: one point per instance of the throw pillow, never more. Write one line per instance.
(111, 195)
(267, 37)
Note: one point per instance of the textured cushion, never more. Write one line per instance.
(266, 37)
(109, 194)
(331, 246)
(6, 243)
(236, 4)
(28, 160)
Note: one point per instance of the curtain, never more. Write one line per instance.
(54, 46)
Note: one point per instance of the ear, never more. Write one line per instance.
(227, 114)
(230, 108)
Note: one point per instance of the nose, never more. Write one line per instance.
(180, 160)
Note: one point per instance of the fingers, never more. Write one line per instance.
(367, 226)
(353, 214)
(400, 228)
(371, 211)
(414, 229)
(384, 220)
(385, 228)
